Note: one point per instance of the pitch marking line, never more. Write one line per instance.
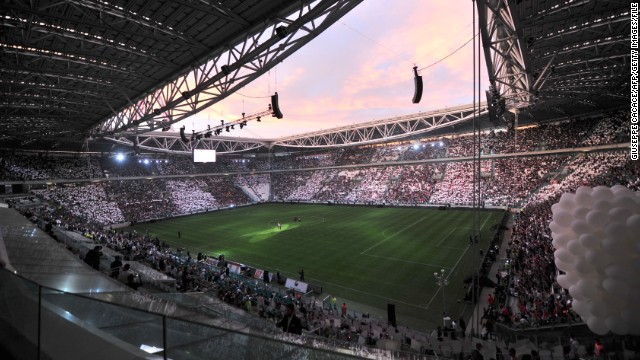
(406, 261)
(451, 248)
(392, 235)
(444, 238)
(465, 251)
(456, 265)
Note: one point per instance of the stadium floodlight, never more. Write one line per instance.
(146, 161)
(120, 157)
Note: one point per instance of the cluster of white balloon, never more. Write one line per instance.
(596, 234)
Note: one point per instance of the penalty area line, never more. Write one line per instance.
(444, 238)
(392, 235)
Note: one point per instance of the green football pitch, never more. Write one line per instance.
(368, 257)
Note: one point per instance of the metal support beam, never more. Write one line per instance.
(227, 70)
(383, 130)
(505, 55)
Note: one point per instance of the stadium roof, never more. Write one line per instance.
(88, 69)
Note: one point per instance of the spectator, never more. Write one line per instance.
(116, 264)
(93, 257)
(290, 323)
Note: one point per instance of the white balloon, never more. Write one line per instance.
(584, 189)
(580, 213)
(563, 239)
(619, 215)
(619, 272)
(598, 259)
(596, 236)
(576, 248)
(576, 292)
(593, 289)
(563, 218)
(597, 325)
(584, 199)
(564, 255)
(581, 227)
(618, 187)
(583, 267)
(567, 200)
(615, 230)
(601, 193)
(563, 281)
(624, 202)
(564, 266)
(589, 241)
(556, 228)
(616, 289)
(633, 225)
(602, 205)
(613, 246)
(596, 309)
(581, 307)
(597, 218)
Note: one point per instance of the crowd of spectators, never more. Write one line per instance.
(610, 130)
(565, 134)
(505, 182)
(415, 184)
(85, 202)
(540, 300)
(141, 200)
(44, 167)
(257, 185)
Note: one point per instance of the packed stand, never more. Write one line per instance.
(539, 299)
(141, 200)
(287, 185)
(415, 184)
(188, 198)
(224, 191)
(336, 187)
(305, 161)
(422, 151)
(257, 185)
(38, 167)
(87, 202)
(456, 186)
(611, 129)
(372, 183)
(127, 166)
(513, 180)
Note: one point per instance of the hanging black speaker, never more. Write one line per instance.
(275, 108)
(182, 136)
(417, 82)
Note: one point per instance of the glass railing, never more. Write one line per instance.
(37, 322)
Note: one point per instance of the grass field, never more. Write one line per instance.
(368, 257)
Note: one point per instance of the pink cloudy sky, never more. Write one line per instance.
(360, 70)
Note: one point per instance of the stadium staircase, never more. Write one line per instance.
(247, 189)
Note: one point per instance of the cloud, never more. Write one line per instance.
(360, 69)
